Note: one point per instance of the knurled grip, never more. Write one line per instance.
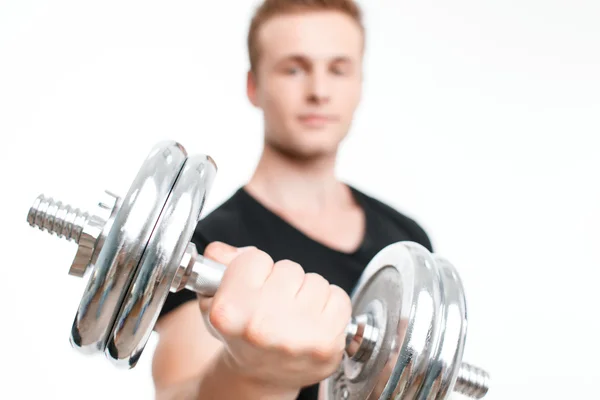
(206, 276)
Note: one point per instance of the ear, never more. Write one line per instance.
(251, 88)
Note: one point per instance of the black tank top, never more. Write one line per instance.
(243, 221)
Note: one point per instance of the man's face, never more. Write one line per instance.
(308, 82)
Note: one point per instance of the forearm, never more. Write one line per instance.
(219, 381)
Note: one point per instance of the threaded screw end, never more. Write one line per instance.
(57, 218)
(472, 381)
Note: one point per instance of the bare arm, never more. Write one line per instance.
(189, 364)
(279, 329)
(184, 351)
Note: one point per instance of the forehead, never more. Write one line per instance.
(317, 35)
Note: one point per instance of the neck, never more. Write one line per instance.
(307, 186)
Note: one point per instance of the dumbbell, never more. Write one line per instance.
(408, 328)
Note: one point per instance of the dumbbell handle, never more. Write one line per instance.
(206, 276)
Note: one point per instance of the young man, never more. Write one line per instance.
(295, 239)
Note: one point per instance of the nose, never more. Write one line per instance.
(319, 87)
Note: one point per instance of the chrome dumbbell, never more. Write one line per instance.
(408, 329)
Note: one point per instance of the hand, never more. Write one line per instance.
(279, 325)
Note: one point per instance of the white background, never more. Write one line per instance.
(480, 120)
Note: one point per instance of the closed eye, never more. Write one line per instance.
(341, 67)
(292, 70)
(297, 64)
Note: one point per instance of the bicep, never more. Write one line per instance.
(184, 348)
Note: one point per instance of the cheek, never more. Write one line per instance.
(282, 99)
(350, 98)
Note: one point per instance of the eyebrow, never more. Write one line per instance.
(304, 60)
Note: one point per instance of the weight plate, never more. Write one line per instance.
(161, 259)
(403, 283)
(443, 372)
(93, 234)
(124, 245)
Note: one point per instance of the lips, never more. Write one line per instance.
(316, 120)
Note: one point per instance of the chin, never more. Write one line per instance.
(304, 150)
(302, 143)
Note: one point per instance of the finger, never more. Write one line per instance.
(313, 293)
(284, 282)
(222, 252)
(335, 317)
(247, 272)
(280, 288)
(209, 326)
(270, 325)
(239, 291)
(338, 309)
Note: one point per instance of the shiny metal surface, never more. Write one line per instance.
(472, 381)
(406, 337)
(420, 348)
(447, 356)
(392, 279)
(123, 247)
(57, 218)
(186, 265)
(363, 333)
(198, 273)
(160, 262)
(205, 277)
(86, 229)
(452, 373)
(370, 340)
(94, 234)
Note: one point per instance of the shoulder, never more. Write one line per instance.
(408, 223)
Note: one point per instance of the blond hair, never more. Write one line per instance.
(270, 8)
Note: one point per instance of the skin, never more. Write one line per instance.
(237, 345)
(310, 64)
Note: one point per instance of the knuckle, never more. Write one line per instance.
(254, 257)
(324, 352)
(218, 251)
(210, 327)
(289, 265)
(261, 256)
(317, 288)
(251, 261)
(222, 317)
(339, 295)
(289, 349)
(255, 334)
(290, 269)
(313, 279)
(212, 248)
(333, 363)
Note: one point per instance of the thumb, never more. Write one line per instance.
(224, 254)
(221, 253)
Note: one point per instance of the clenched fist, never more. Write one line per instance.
(279, 325)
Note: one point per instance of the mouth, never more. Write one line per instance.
(317, 120)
